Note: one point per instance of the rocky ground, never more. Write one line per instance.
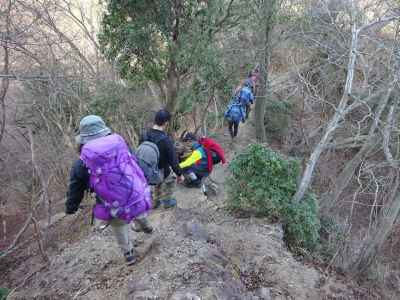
(197, 251)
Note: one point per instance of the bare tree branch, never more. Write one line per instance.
(17, 237)
(80, 22)
(5, 82)
(386, 138)
(341, 109)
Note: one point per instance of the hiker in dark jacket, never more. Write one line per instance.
(91, 128)
(163, 192)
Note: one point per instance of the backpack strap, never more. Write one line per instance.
(209, 159)
(144, 136)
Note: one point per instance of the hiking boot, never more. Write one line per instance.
(142, 225)
(192, 183)
(209, 187)
(130, 257)
(204, 189)
(156, 204)
(169, 203)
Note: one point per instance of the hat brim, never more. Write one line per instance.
(79, 139)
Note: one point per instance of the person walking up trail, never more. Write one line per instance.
(164, 185)
(234, 114)
(246, 97)
(239, 107)
(107, 168)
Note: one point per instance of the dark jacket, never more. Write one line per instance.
(78, 184)
(168, 157)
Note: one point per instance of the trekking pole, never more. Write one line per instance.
(101, 227)
(104, 226)
(92, 218)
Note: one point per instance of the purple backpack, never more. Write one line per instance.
(116, 178)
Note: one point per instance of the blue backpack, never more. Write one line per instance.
(245, 95)
(234, 112)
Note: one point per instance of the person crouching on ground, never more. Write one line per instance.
(195, 165)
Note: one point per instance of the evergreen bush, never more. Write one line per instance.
(302, 224)
(4, 293)
(262, 183)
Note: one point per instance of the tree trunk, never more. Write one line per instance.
(374, 242)
(342, 109)
(343, 179)
(260, 106)
(270, 9)
(173, 75)
(369, 145)
(5, 81)
(333, 123)
(172, 87)
(390, 212)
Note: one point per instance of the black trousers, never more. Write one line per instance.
(248, 108)
(233, 128)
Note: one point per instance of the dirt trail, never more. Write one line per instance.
(198, 251)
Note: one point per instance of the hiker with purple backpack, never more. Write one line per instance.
(107, 168)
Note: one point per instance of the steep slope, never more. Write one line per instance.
(198, 251)
(195, 250)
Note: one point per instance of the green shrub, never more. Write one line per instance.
(4, 293)
(262, 183)
(302, 224)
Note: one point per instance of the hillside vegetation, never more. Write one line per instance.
(308, 204)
